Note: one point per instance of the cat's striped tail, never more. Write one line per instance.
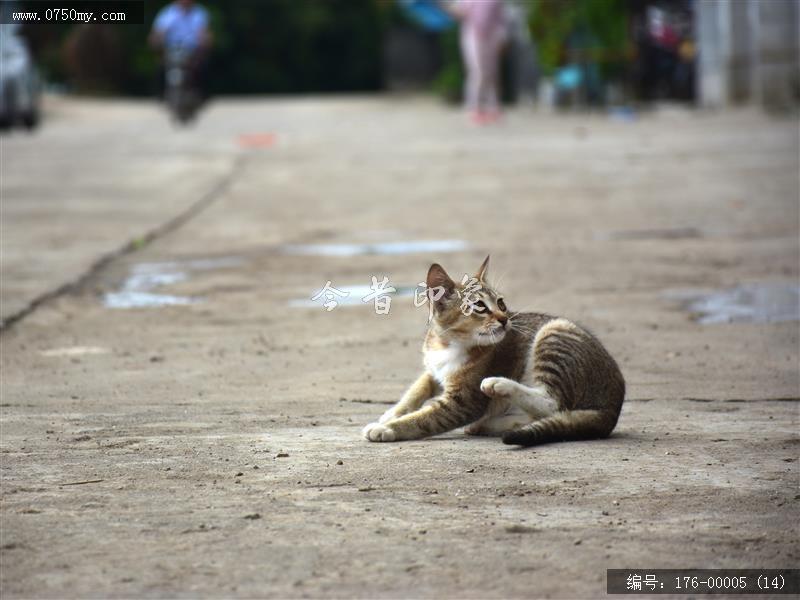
(562, 427)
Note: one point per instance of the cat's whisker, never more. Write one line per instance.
(514, 316)
(521, 328)
(517, 323)
(499, 281)
(527, 309)
(524, 331)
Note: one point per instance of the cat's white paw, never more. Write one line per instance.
(497, 387)
(377, 432)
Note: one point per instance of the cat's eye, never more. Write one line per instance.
(479, 307)
(501, 305)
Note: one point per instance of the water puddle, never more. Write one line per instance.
(748, 303)
(75, 351)
(138, 289)
(676, 233)
(353, 297)
(375, 249)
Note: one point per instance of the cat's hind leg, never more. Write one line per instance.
(495, 409)
(534, 400)
(498, 425)
(564, 426)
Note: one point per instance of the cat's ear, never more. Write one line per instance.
(482, 271)
(438, 278)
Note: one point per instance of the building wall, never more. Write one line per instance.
(749, 52)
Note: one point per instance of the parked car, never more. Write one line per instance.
(19, 81)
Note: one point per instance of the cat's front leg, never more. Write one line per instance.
(448, 412)
(378, 432)
(424, 388)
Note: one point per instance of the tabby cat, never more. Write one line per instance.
(529, 377)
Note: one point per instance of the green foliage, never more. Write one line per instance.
(296, 46)
(450, 82)
(280, 46)
(598, 28)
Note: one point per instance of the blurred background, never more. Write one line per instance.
(158, 283)
(105, 103)
(564, 53)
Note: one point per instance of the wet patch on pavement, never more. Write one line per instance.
(675, 233)
(375, 249)
(747, 303)
(137, 290)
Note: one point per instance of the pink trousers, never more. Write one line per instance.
(481, 52)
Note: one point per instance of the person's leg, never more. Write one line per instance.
(490, 58)
(472, 68)
(160, 82)
(199, 72)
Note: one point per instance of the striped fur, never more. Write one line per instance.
(544, 377)
(563, 427)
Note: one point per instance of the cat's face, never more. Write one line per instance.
(470, 313)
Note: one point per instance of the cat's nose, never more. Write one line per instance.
(502, 319)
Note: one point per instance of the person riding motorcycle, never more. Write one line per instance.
(183, 26)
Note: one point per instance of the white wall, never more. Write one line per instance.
(749, 51)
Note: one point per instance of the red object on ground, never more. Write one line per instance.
(256, 140)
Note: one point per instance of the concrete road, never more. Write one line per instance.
(186, 421)
(97, 177)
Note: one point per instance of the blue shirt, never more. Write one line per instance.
(181, 27)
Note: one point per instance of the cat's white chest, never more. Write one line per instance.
(443, 363)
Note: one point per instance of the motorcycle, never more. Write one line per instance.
(20, 90)
(181, 93)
